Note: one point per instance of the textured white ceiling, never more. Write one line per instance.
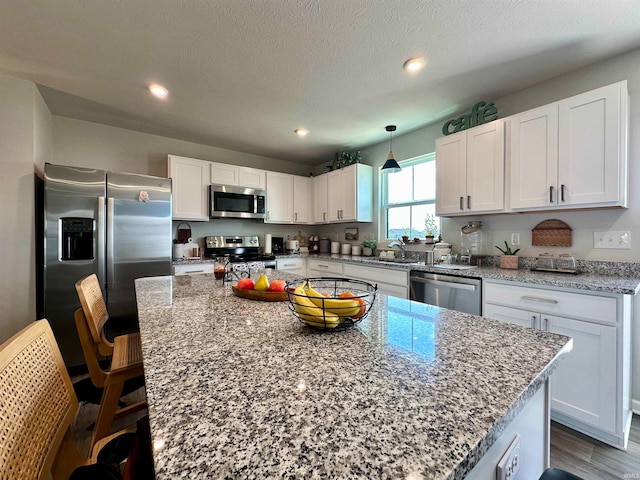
(243, 74)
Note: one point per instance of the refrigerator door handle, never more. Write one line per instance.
(110, 242)
(100, 241)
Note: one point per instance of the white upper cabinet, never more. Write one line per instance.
(350, 194)
(279, 198)
(301, 199)
(470, 171)
(534, 157)
(572, 153)
(224, 174)
(288, 198)
(320, 205)
(189, 179)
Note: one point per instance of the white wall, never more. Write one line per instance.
(87, 144)
(25, 144)
(583, 223)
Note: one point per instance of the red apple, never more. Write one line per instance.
(277, 286)
(246, 284)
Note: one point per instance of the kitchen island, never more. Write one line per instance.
(242, 389)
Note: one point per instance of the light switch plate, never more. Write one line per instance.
(612, 240)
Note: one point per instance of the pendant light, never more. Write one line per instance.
(390, 166)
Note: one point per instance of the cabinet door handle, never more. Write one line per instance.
(268, 214)
(562, 192)
(533, 321)
(468, 202)
(461, 204)
(550, 301)
(551, 194)
(546, 324)
(324, 216)
(295, 216)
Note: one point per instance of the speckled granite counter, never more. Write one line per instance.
(609, 277)
(241, 389)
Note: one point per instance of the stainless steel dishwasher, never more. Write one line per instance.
(448, 291)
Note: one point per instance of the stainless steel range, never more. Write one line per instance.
(238, 250)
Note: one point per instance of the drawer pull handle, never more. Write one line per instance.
(194, 271)
(537, 299)
(551, 194)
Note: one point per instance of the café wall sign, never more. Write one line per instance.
(481, 112)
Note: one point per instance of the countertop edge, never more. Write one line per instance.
(477, 452)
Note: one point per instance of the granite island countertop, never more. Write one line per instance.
(242, 389)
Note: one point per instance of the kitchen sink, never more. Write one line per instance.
(399, 260)
(454, 266)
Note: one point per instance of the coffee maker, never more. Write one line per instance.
(277, 245)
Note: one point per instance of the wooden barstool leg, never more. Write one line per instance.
(108, 406)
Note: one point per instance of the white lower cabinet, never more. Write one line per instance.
(193, 269)
(297, 266)
(318, 267)
(389, 281)
(590, 387)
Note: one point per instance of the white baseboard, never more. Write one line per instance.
(635, 406)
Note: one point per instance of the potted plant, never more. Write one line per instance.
(431, 228)
(368, 247)
(508, 258)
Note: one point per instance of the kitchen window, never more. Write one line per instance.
(408, 199)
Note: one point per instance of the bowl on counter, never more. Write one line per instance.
(331, 304)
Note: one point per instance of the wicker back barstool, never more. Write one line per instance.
(125, 352)
(37, 408)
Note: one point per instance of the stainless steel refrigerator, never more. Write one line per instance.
(116, 225)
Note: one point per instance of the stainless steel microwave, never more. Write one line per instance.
(229, 201)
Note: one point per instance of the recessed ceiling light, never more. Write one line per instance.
(301, 132)
(158, 91)
(414, 64)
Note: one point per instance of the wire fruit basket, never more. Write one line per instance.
(331, 304)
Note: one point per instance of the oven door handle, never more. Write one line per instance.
(459, 286)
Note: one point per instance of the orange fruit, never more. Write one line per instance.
(363, 307)
(345, 295)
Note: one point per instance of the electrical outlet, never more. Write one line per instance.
(509, 465)
(612, 240)
(515, 239)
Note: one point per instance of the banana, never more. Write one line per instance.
(343, 307)
(310, 313)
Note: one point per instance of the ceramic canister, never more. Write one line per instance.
(335, 247)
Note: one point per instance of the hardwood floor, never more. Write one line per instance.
(593, 460)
